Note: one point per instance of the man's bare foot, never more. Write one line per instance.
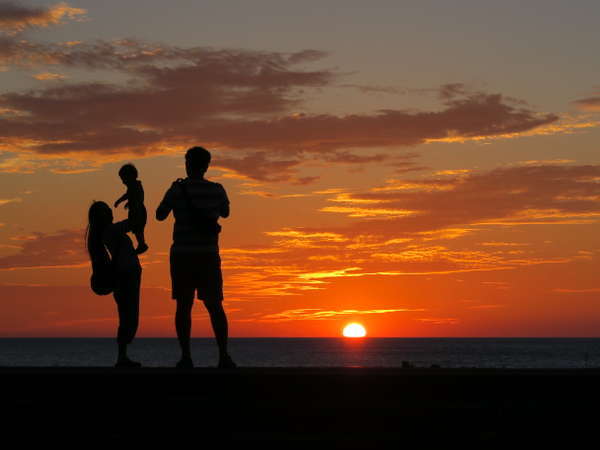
(225, 362)
(126, 363)
(185, 363)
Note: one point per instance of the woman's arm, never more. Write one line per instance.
(122, 227)
(112, 236)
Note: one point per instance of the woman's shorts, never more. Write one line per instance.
(196, 274)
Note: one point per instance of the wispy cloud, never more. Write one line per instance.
(555, 193)
(5, 201)
(440, 238)
(590, 104)
(487, 306)
(439, 320)
(356, 211)
(64, 249)
(504, 244)
(45, 76)
(15, 17)
(320, 314)
(576, 290)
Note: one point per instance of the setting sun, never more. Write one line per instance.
(354, 330)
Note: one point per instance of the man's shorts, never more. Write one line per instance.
(196, 274)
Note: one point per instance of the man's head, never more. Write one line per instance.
(197, 160)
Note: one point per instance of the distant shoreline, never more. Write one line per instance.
(312, 337)
(509, 353)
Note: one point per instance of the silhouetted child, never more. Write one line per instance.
(135, 203)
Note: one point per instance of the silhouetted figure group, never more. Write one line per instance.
(195, 263)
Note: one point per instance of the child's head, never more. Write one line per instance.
(197, 160)
(128, 173)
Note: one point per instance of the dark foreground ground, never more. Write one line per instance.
(349, 407)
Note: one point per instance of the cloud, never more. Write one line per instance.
(438, 238)
(269, 166)
(258, 166)
(65, 248)
(159, 110)
(591, 104)
(577, 291)
(439, 320)
(453, 172)
(504, 244)
(320, 314)
(249, 103)
(546, 162)
(44, 76)
(15, 18)
(367, 89)
(267, 194)
(510, 195)
(351, 158)
(345, 272)
(5, 201)
(476, 116)
(296, 265)
(355, 211)
(305, 239)
(14, 163)
(488, 306)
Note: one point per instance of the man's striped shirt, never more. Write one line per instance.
(204, 195)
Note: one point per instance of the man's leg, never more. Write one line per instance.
(218, 320)
(183, 324)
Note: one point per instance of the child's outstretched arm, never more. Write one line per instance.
(122, 198)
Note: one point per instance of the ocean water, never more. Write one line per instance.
(313, 352)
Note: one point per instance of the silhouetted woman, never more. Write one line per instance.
(103, 234)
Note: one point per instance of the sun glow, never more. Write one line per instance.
(354, 330)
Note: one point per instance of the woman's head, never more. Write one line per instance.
(99, 217)
(100, 214)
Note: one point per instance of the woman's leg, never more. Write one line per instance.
(127, 297)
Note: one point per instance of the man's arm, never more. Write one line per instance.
(162, 212)
(224, 210)
(224, 206)
(165, 207)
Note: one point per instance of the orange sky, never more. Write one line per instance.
(462, 205)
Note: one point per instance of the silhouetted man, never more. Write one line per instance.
(197, 205)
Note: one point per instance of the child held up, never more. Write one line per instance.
(135, 204)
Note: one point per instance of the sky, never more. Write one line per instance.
(427, 169)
